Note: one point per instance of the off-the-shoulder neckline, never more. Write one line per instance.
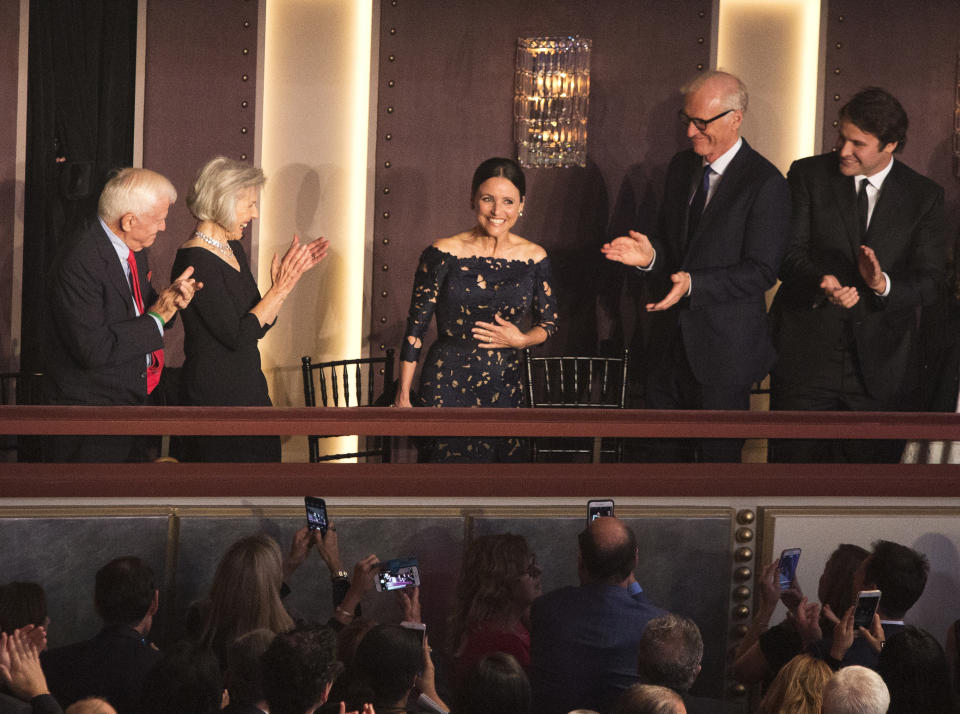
(528, 261)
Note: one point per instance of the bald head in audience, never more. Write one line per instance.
(608, 552)
(93, 705)
(855, 690)
(649, 699)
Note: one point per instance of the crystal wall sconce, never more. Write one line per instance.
(551, 100)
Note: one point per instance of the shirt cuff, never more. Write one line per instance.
(886, 292)
(648, 268)
(690, 286)
(157, 321)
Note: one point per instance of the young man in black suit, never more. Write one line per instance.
(866, 251)
(722, 232)
(104, 338)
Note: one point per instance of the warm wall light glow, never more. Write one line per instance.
(315, 120)
(774, 46)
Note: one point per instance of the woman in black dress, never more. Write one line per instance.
(492, 295)
(222, 364)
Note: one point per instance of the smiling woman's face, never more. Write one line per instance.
(497, 204)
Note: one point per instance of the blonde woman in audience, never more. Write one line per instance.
(797, 688)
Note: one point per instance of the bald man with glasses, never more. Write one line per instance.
(721, 235)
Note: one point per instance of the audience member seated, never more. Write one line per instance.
(113, 664)
(584, 639)
(855, 690)
(186, 680)
(914, 668)
(762, 652)
(390, 662)
(797, 688)
(649, 699)
(669, 655)
(22, 676)
(91, 705)
(24, 606)
(900, 573)
(245, 673)
(499, 579)
(497, 684)
(299, 668)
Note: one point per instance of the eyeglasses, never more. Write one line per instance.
(701, 124)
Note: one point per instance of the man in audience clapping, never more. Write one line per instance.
(584, 639)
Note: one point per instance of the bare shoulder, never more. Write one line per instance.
(528, 250)
(454, 245)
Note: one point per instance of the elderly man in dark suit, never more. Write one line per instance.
(583, 640)
(722, 232)
(104, 341)
(866, 252)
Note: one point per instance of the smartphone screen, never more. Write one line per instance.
(316, 514)
(398, 574)
(596, 509)
(787, 569)
(867, 602)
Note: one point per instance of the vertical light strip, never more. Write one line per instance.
(139, 83)
(19, 190)
(774, 46)
(314, 148)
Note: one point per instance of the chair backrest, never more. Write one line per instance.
(347, 383)
(598, 382)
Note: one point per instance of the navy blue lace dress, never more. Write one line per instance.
(458, 373)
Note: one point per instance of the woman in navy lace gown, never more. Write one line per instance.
(491, 292)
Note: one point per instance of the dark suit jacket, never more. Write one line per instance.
(112, 665)
(906, 232)
(583, 646)
(96, 345)
(732, 258)
(43, 704)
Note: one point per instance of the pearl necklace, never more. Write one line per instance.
(223, 248)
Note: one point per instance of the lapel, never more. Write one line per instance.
(113, 271)
(845, 194)
(693, 174)
(726, 189)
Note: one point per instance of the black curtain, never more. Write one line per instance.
(80, 103)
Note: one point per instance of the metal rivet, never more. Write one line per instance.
(739, 689)
(384, 267)
(836, 70)
(743, 554)
(740, 631)
(836, 123)
(836, 97)
(388, 136)
(742, 574)
(243, 130)
(741, 611)
(383, 319)
(387, 164)
(244, 51)
(386, 190)
(744, 535)
(700, 40)
(701, 14)
(741, 593)
(246, 23)
(386, 241)
(386, 214)
(383, 346)
(245, 77)
(838, 45)
(380, 371)
(244, 104)
(391, 58)
(393, 30)
(841, 18)
(391, 84)
(243, 157)
(383, 294)
(745, 517)
(699, 65)
(393, 2)
(389, 110)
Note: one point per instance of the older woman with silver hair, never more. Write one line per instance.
(222, 365)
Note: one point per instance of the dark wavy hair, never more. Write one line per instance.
(496, 685)
(297, 667)
(498, 166)
(22, 604)
(490, 569)
(124, 591)
(899, 572)
(878, 112)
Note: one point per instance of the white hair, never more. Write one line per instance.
(135, 191)
(856, 690)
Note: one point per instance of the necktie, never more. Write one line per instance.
(156, 357)
(863, 206)
(699, 201)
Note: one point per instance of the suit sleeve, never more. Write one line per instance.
(87, 313)
(798, 269)
(765, 233)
